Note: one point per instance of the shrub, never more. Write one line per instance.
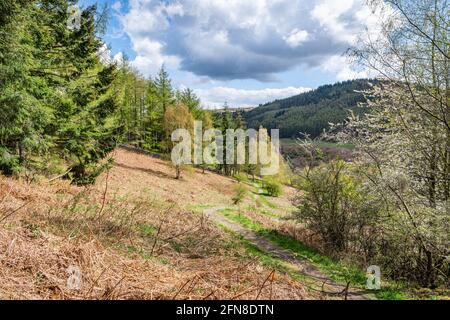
(239, 194)
(333, 207)
(239, 177)
(9, 165)
(274, 188)
(355, 222)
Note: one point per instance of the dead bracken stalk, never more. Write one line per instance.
(345, 292)
(6, 216)
(109, 292)
(5, 196)
(95, 283)
(100, 213)
(182, 287)
(264, 283)
(192, 229)
(163, 220)
(247, 292)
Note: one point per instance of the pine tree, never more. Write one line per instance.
(190, 100)
(154, 117)
(240, 121)
(207, 123)
(240, 124)
(86, 126)
(24, 112)
(225, 122)
(164, 90)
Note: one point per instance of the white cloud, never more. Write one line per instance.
(235, 39)
(174, 9)
(342, 68)
(149, 58)
(329, 15)
(104, 54)
(119, 58)
(117, 6)
(216, 97)
(297, 37)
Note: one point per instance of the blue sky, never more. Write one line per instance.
(242, 52)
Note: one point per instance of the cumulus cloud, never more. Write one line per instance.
(117, 6)
(296, 37)
(149, 57)
(119, 58)
(104, 54)
(342, 68)
(235, 39)
(216, 97)
(337, 18)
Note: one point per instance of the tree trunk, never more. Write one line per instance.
(178, 172)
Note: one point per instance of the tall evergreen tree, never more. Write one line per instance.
(190, 100)
(240, 121)
(24, 111)
(164, 90)
(154, 117)
(225, 122)
(87, 117)
(81, 102)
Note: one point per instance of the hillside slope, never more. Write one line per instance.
(309, 112)
(137, 234)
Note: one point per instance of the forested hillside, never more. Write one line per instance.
(65, 105)
(310, 112)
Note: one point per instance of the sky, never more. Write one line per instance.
(243, 52)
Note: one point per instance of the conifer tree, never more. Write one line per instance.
(83, 101)
(89, 126)
(24, 112)
(164, 90)
(190, 100)
(225, 122)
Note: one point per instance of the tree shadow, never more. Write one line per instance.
(157, 173)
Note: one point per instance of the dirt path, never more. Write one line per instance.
(319, 281)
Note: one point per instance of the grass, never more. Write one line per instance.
(199, 208)
(266, 201)
(132, 250)
(147, 230)
(263, 212)
(335, 270)
(391, 293)
(265, 258)
(270, 261)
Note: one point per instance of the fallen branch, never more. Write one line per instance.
(14, 211)
(60, 176)
(182, 287)
(264, 283)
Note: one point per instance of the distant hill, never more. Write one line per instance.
(234, 110)
(309, 112)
